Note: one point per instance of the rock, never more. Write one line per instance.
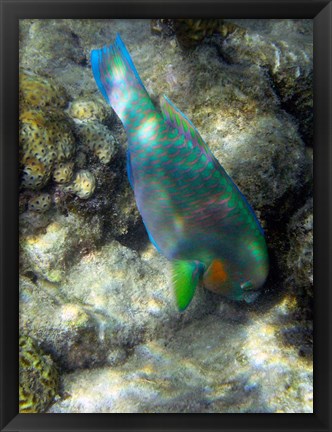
(210, 366)
(67, 331)
(236, 111)
(132, 295)
(44, 54)
(48, 253)
(66, 55)
(299, 260)
(93, 316)
(285, 49)
(190, 32)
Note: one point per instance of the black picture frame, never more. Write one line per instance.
(321, 13)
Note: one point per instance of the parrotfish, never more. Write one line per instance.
(192, 210)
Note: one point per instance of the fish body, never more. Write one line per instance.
(193, 212)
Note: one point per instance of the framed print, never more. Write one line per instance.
(165, 210)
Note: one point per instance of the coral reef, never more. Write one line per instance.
(89, 109)
(37, 92)
(162, 27)
(126, 301)
(63, 172)
(46, 136)
(83, 185)
(98, 139)
(94, 292)
(40, 202)
(37, 150)
(39, 378)
(190, 32)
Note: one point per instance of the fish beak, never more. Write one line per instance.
(250, 296)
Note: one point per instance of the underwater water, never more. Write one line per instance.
(100, 329)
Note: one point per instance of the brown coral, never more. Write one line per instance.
(40, 92)
(46, 138)
(38, 378)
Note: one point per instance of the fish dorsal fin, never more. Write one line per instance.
(176, 119)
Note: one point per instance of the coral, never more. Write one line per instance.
(83, 184)
(80, 159)
(40, 202)
(190, 32)
(35, 174)
(39, 92)
(88, 109)
(60, 129)
(162, 27)
(38, 378)
(63, 172)
(97, 138)
(37, 149)
(46, 138)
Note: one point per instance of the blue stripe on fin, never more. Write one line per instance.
(129, 170)
(152, 240)
(102, 60)
(96, 58)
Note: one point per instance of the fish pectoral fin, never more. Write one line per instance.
(186, 275)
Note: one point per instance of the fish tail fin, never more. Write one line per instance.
(186, 275)
(116, 76)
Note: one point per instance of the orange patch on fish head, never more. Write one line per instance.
(216, 278)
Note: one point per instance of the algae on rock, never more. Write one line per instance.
(39, 379)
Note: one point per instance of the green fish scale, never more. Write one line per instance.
(176, 181)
